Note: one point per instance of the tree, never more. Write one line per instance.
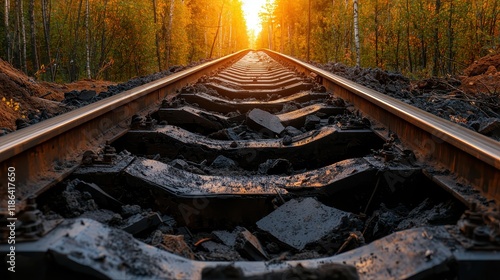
(34, 50)
(46, 31)
(7, 31)
(356, 33)
(157, 36)
(308, 30)
(21, 34)
(87, 36)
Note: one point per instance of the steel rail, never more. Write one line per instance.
(468, 154)
(44, 153)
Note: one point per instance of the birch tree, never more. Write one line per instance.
(356, 33)
(87, 35)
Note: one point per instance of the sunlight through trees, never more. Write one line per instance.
(118, 39)
(421, 37)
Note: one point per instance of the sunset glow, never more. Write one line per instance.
(251, 9)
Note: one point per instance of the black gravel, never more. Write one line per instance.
(439, 96)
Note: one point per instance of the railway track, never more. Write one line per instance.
(311, 163)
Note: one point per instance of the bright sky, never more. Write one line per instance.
(251, 8)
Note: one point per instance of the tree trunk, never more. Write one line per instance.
(34, 51)
(269, 37)
(74, 70)
(46, 31)
(17, 37)
(493, 24)
(356, 34)
(7, 31)
(157, 37)
(410, 61)
(87, 35)
(435, 67)
(282, 42)
(424, 51)
(398, 41)
(170, 30)
(218, 27)
(102, 58)
(309, 31)
(23, 38)
(450, 40)
(376, 33)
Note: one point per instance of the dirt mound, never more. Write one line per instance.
(29, 101)
(482, 77)
(482, 65)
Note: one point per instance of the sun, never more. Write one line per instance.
(251, 9)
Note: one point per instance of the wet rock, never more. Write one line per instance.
(311, 122)
(180, 164)
(82, 96)
(218, 251)
(130, 210)
(176, 244)
(490, 127)
(75, 202)
(222, 273)
(249, 246)
(233, 115)
(226, 237)
(331, 271)
(139, 223)
(264, 122)
(291, 131)
(4, 131)
(276, 166)
(21, 123)
(70, 95)
(298, 223)
(101, 198)
(426, 213)
(156, 238)
(223, 162)
(87, 95)
(168, 225)
(228, 134)
(288, 107)
(103, 216)
(273, 248)
(287, 140)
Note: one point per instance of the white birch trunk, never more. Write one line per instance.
(87, 34)
(356, 33)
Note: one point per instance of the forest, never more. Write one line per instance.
(67, 40)
(419, 38)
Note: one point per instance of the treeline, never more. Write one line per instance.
(67, 40)
(424, 37)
